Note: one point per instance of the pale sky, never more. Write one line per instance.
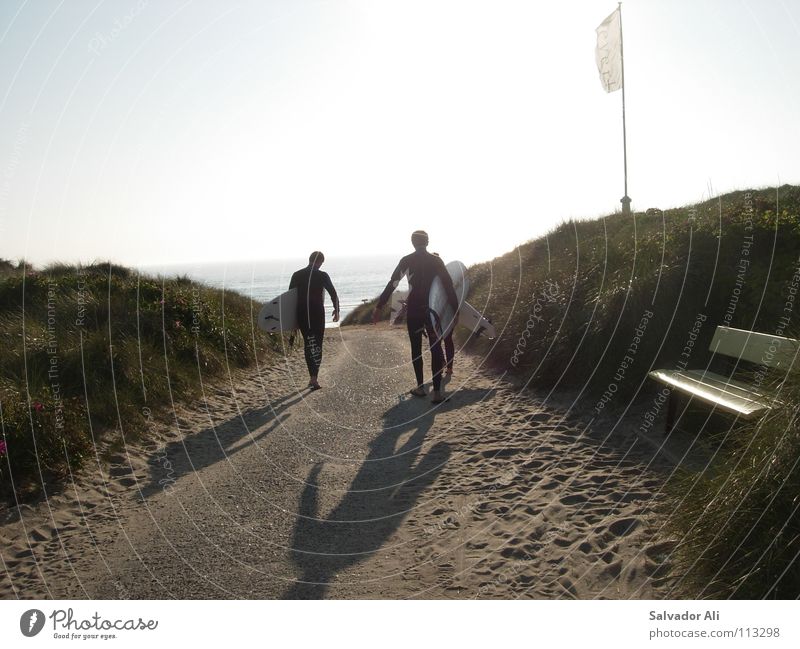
(175, 131)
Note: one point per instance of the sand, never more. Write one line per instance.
(262, 489)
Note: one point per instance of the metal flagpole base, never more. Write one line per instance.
(626, 205)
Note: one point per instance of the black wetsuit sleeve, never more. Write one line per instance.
(447, 281)
(294, 281)
(397, 275)
(328, 284)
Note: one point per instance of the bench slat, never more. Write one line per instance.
(727, 384)
(765, 349)
(715, 390)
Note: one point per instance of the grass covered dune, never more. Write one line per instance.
(595, 304)
(91, 352)
(571, 303)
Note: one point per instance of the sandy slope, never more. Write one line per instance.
(265, 490)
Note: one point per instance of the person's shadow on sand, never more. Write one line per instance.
(386, 488)
(210, 445)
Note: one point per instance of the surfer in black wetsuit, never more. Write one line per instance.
(310, 282)
(421, 267)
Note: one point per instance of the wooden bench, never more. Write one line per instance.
(723, 392)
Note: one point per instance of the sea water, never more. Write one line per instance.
(356, 279)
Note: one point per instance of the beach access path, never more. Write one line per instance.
(263, 489)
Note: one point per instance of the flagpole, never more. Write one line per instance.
(626, 201)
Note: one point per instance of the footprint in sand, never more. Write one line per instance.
(502, 452)
(539, 417)
(574, 499)
(119, 470)
(631, 496)
(514, 495)
(614, 569)
(660, 551)
(39, 535)
(514, 553)
(537, 533)
(624, 526)
(608, 557)
(568, 586)
(533, 464)
(525, 580)
(562, 542)
(656, 570)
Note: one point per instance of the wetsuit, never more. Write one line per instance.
(310, 283)
(449, 351)
(422, 267)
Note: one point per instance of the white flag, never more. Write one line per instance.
(609, 52)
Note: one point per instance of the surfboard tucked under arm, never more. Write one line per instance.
(439, 306)
(468, 315)
(279, 314)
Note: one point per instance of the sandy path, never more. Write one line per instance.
(264, 490)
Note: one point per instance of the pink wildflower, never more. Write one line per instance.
(3, 447)
(38, 407)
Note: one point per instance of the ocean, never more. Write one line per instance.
(356, 279)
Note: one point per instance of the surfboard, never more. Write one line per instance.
(475, 321)
(279, 314)
(441, 310)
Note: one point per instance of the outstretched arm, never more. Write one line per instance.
(397, 275)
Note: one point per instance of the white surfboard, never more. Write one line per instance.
(475, 321)
(440, 308)
(279, 314)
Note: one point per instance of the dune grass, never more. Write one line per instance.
(89, 352)
(362, 314)
(738, 524)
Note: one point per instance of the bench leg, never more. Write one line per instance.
(671, 407)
